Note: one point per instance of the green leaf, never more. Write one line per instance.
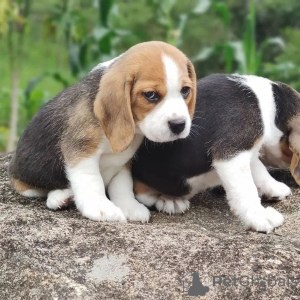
(183, 18)
(228, 58)
(202, 6)
(74, 59)
(249, 41)
(122, 32)
(223, 10)
(203, 55)
(274, 41)
(104, 45)
(104, 9)
(239, 56)
(99, 32)
(30, 87)
(59, 78)
(167, 5)
(4, 133)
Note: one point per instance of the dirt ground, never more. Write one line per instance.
(60, 255)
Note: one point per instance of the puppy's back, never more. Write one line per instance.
(38, 160)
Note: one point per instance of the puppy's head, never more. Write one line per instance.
(287, 154)
(152, 86)
(288, 114)
(293, 141)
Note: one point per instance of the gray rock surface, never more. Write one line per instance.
(61, 255)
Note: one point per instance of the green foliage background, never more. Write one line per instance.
(64, 39)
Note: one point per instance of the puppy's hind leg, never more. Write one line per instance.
(242, 194)
(173, 205)
(145, 194)
(165, 203)
(26, 190)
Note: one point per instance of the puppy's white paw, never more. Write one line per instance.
(262, 219)
(102, 210)
(58, 198)
(135, 211)
(275, 217)
(182, 205)
(172, 205)
(166, 206)
(276, 190)
(33, 193)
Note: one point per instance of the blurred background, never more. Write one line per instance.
(47, 45)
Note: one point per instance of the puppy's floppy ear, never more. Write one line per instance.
(192, 75)
(113, 109)
(294, 140)
(295, 167)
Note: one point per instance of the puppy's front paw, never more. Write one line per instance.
(102, 210)
(172, 205)
(262, 219)
(135, 211)
(277, 190)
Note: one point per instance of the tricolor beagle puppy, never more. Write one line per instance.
(238, 121)
(79, 142)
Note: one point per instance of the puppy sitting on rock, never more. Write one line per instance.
(78, 144)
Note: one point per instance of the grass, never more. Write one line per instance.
(39, 57)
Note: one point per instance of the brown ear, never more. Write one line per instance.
(113, 109)
(294, 142)
(295, 167)
(192, 75)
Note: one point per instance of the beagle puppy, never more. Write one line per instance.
(239, 122)
(78, 144)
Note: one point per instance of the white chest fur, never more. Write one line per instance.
(111, 163)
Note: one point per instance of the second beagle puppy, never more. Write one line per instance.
(79, 142)
(238, 121)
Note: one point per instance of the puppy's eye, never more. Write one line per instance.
(185, 91)
(151, 96)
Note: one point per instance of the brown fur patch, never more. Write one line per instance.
(191, 100)
(113, 108)
(295, 167)
(294, 146)
(22, 187)
(82, 136)
(294, 137)
(141, 188)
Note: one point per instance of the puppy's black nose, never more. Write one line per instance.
(177, 126)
